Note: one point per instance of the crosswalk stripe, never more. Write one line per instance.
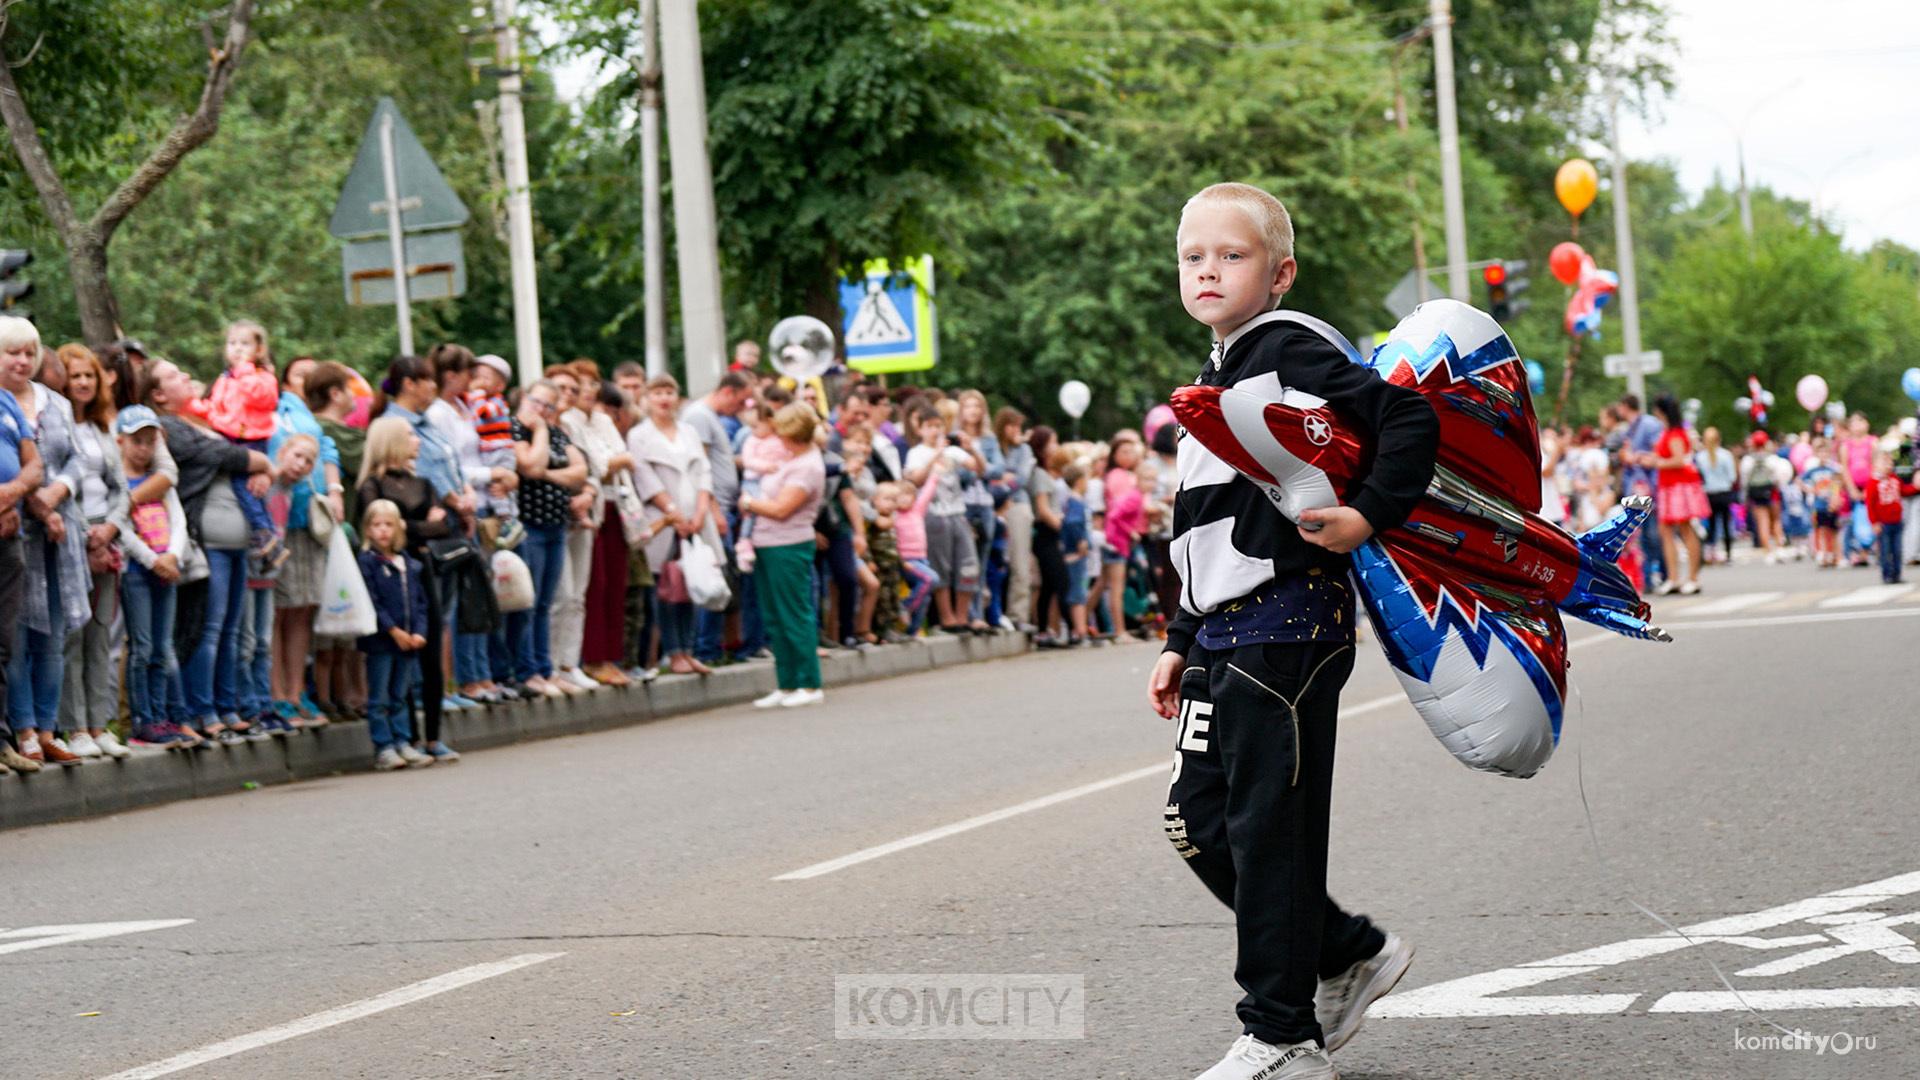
(1867, 596)
(1737, 602)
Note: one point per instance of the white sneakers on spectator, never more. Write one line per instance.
(111, 746)
(1340, 1003)
(413, 757)
(82, 745)
(388, 760)
(579, 678)
(790, 699)
(1251, 1059)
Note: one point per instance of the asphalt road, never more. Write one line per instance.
(613, 905)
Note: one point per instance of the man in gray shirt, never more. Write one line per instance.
(703, 416)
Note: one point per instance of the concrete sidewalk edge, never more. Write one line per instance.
(104, 786)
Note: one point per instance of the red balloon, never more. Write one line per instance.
(1565, 262)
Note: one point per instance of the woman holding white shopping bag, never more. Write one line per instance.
(679, 463)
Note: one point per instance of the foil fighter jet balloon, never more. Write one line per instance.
(1467, 594)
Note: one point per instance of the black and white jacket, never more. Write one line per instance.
(1229, 539)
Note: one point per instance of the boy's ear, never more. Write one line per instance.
(1283, 276)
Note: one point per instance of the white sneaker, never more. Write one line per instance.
(770, 700)
(798, 698)
(412, 756)
(1341, 1002)
(111, 746)
(82, 745)
(1251, 1059)
(581, 679)
(388, 760)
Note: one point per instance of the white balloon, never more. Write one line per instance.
(1075, 396)
(1766, 398)
(802, 347)
(1742, 404)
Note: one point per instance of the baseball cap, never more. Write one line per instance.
(497, 363)
(133, 418)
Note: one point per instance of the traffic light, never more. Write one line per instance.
(1505, 283)
(14, 290)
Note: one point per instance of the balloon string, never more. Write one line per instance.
(1593, 835)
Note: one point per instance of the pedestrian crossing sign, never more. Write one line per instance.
(887, 318)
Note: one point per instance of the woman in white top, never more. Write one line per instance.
(679, 463)
(600, 442)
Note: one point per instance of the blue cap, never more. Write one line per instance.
(133, 418)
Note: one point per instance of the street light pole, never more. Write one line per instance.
(1451, 201)
(1623, 252)
(513, 144)
(703, 331)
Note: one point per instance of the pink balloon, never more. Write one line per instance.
(1811, 390)
(1157, 417)
(1798, 454)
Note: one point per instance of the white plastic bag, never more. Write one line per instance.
(345, 608)
(512, 582)
(706, 582)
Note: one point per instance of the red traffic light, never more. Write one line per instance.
(1495, 274)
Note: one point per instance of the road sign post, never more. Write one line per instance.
(399, 221)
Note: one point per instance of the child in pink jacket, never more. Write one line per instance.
(241, 405)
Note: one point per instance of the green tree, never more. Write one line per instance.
(91, 55)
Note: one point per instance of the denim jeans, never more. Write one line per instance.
(545, 550)
(470, 663)
(390, 677)
(151, 666)
(37, 671)
(210, 678)
(1889, 545)
(254, 693)
(676, 626)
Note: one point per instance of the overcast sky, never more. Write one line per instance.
(1829, 95)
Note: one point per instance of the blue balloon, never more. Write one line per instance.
(1537, 377)
(1910, 382)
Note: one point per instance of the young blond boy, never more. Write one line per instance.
(1256, 657)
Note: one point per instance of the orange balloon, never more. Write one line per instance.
(1575, 185)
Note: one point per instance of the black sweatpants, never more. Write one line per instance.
(1053, 580)
(1248, 807)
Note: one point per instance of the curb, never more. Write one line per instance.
(105, 786)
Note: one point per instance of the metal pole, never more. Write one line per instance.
(1623, 252)
(396, 236)
(702, 326)
(513, 144)
(651, 238)
(1450, 197)
(1413, 186)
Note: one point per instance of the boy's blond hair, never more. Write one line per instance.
(1268, 214)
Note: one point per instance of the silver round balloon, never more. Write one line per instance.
(802, 348)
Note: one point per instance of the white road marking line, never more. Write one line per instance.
(1473, 995)
(1852, 997)
(40, 937)
(307, 1025)
(1159, 768)
(1041, 803)
(1789, 620)
(1727, 605)
(1868, 596)
(1056, 798)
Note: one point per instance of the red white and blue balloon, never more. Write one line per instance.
(1467, 595)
